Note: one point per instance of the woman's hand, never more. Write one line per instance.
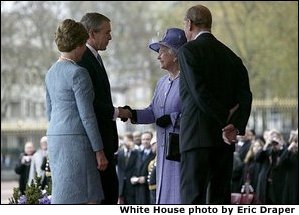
(101, 160)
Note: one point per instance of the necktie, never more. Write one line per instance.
(100, 60)
(144, 156)
(127, 156)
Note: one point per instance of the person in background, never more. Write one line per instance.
(216, 104)
(39, 156)
(244, 143)
(126, 167)
(151, 178)
(75, 146)
(252, 168)
(271, 175)
(137, 140)
(47, 174)
(98, 28)
(238, 167)
(23, 166)
(241, 148)
(120, 142)
(139, 178)
(289, 162)
(165, 110)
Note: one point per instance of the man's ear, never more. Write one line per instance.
(189, 25)
(91, 34)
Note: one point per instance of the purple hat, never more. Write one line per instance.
(174, 39)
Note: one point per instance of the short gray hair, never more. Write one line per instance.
(199, 15)
(93, 21)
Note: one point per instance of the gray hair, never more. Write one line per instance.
(200, 16)
(93, 21)
(172, 51)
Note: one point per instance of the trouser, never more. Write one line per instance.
(110, 184)
(204, 168)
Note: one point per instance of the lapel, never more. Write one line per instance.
(132, 160)
(99, 69)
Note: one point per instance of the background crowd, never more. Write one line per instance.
(268, 162)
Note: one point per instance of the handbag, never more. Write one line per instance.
(242, 198)
(173, 145)
(246, 196)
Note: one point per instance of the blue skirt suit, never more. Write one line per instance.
(73, 135)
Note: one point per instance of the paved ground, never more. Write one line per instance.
(7, 190)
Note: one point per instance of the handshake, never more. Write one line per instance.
(126, 112)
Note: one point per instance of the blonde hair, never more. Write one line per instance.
(250, 155)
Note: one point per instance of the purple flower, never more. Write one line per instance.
(45, 200)
(22, 200)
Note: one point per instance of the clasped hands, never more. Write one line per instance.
(125, 113)
(229, 134)
(137, 180)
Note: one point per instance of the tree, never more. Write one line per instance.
(27, 51)
(265, 35)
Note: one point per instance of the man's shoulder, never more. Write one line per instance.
(86, 57)
(87, 61)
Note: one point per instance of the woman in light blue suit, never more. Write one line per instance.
(74, 143)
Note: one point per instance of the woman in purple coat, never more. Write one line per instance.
(164, 109)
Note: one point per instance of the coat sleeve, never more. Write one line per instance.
(19, 168)
(48, 104)
(244, 97)
(84, 94)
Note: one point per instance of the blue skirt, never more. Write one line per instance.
(75, 177)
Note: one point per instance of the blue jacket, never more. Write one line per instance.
(69, 100)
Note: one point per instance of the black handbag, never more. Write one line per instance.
(173, 145)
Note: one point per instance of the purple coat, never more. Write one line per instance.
(166, 100)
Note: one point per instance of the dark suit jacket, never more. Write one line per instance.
(142, 190)
(213, 80)
(23, 170)
(103, 106)
(125, 172)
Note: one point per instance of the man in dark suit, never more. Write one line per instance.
(216, 104)
(99, 29)
(140, 177)
(127, 157)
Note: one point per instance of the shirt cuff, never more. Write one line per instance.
(115, 115)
